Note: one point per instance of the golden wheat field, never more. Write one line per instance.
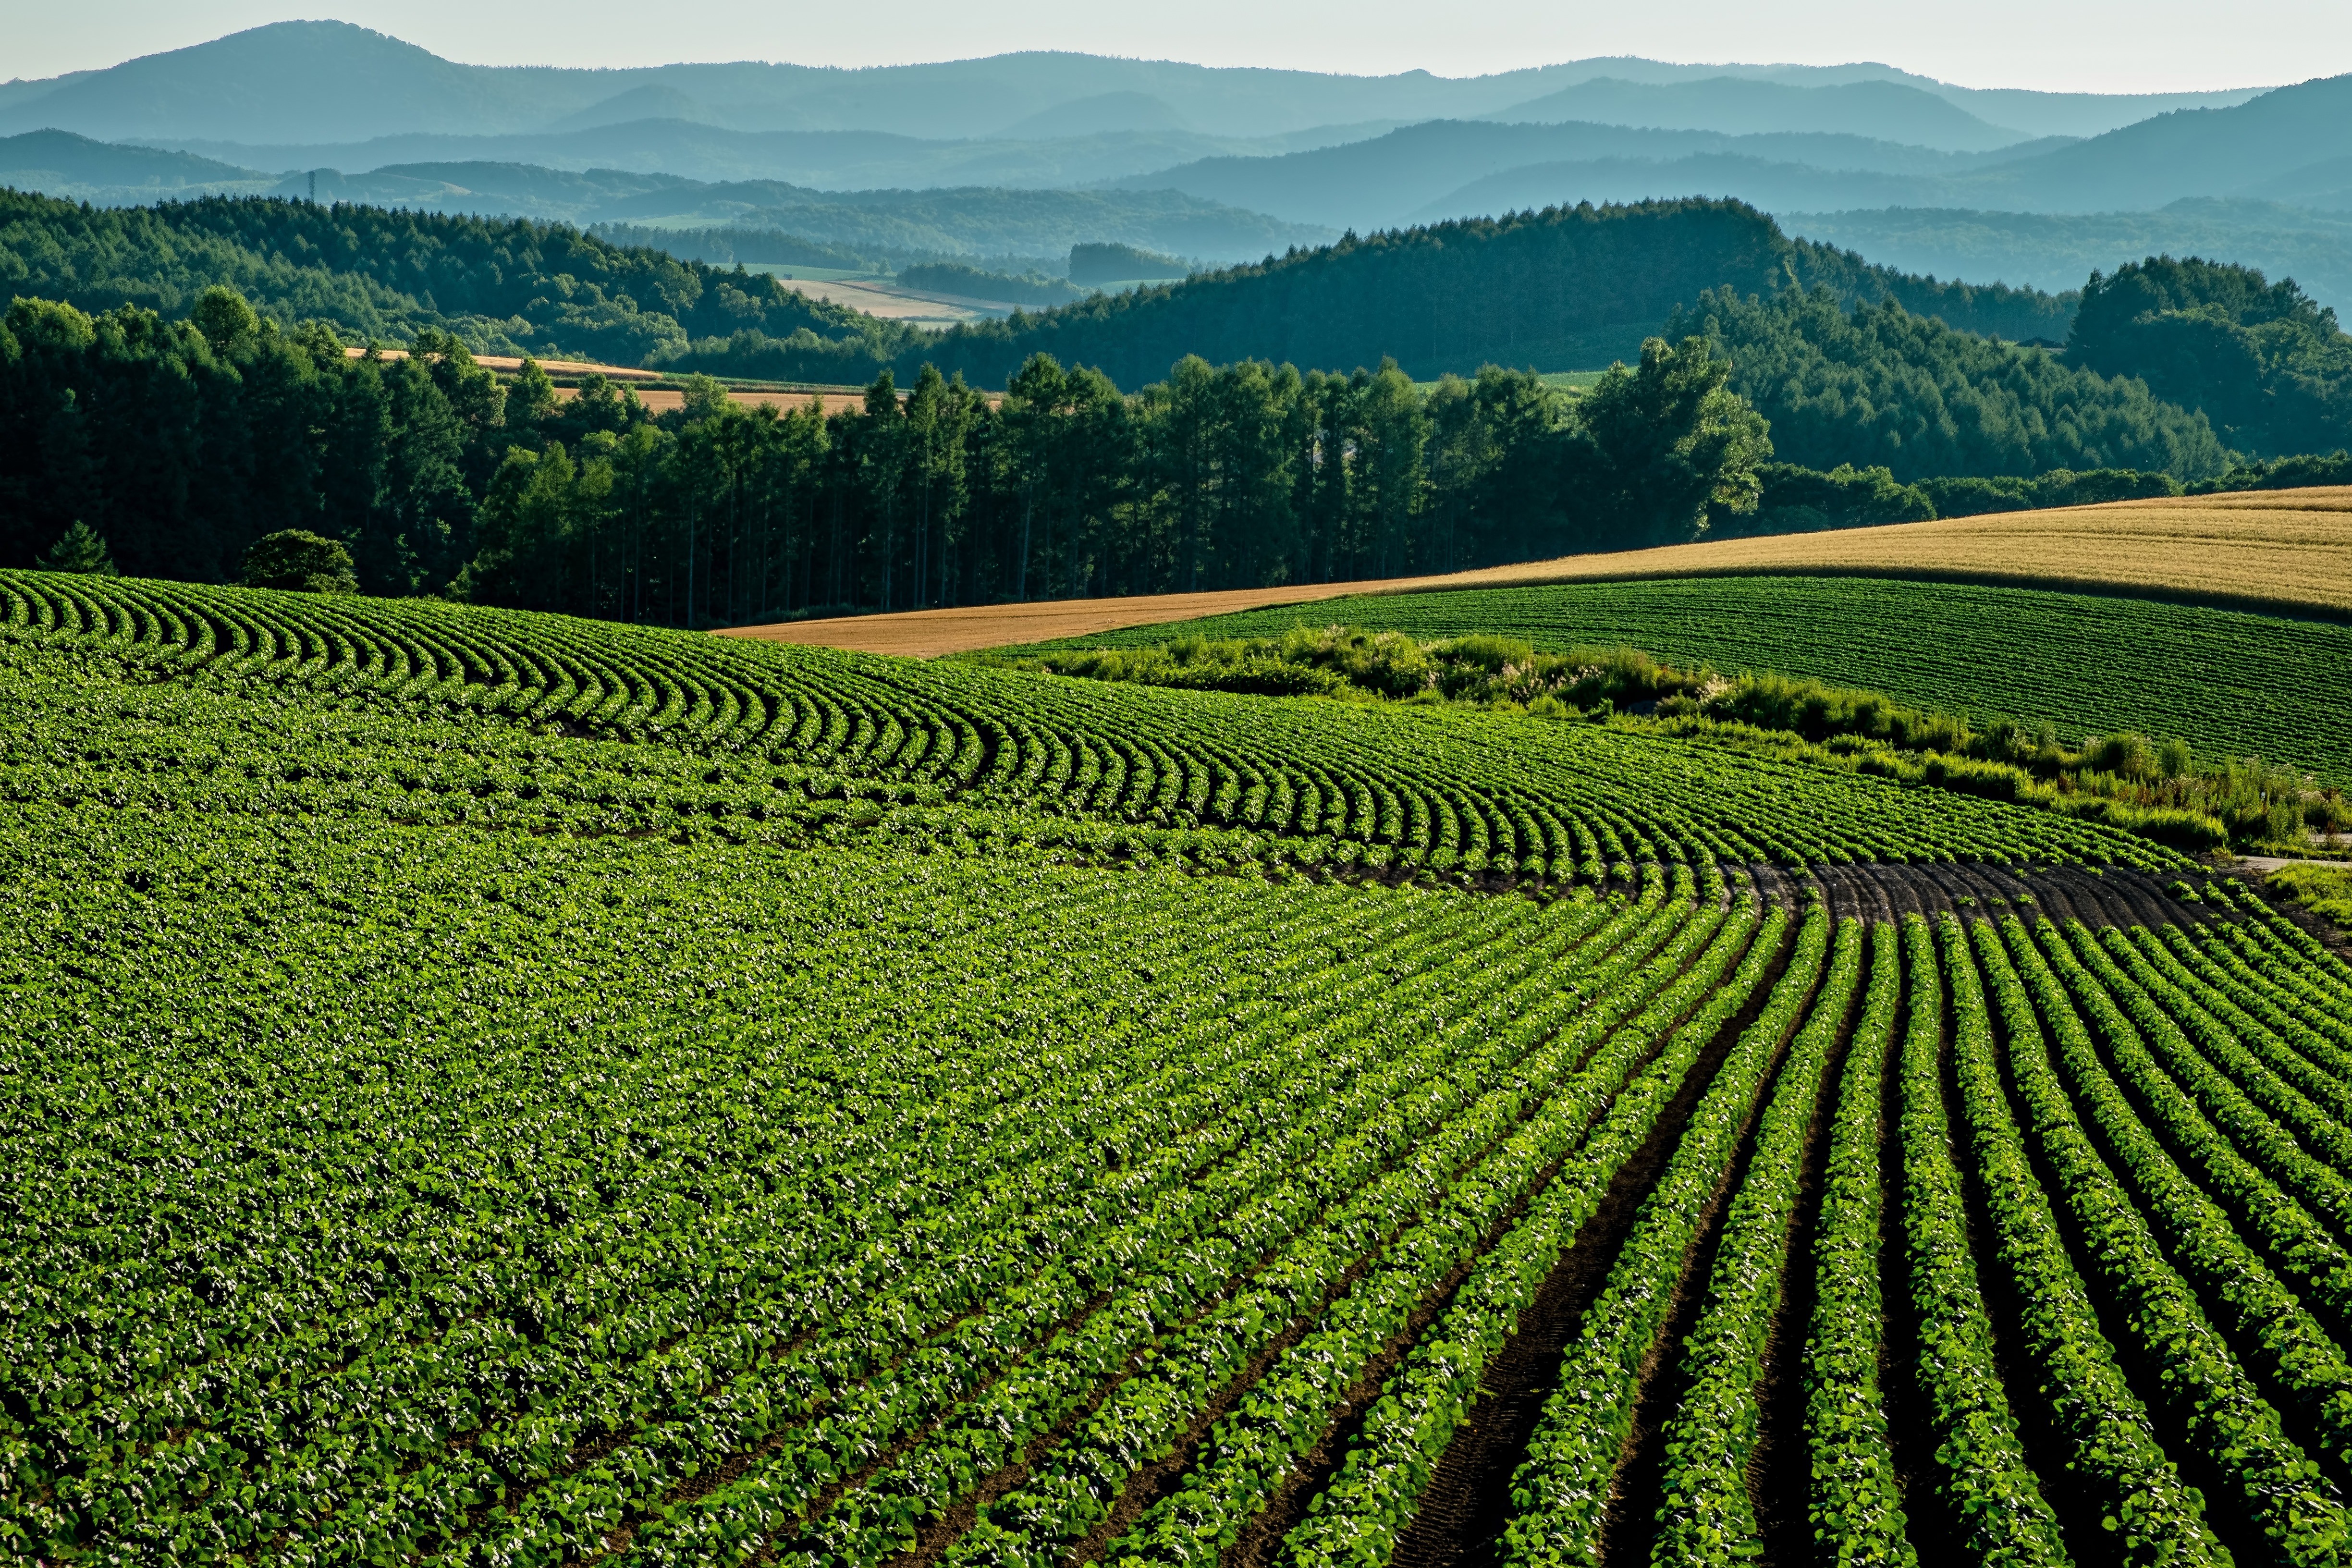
(2283, 550)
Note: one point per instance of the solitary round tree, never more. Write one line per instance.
(297, 559)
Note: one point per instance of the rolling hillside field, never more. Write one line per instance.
(2228, 680)
(537, 1032)
(2287, 551)
(719, 1102)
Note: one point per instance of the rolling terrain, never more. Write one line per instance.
(2286, 552)
(1770, 1050)
(926, 1159)
(1293, 153)
(304, 82)
(2225, 680)
(2057, 251)
(2287, 144)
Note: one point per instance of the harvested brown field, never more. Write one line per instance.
(507, 364)
(663, 400)
(2286, 552)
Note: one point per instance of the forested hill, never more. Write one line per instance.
(1564, 288)
(1561, 289)
(1876, 384)
(502, 284)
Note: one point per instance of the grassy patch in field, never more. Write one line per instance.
(2224, 680)
(2325, 891)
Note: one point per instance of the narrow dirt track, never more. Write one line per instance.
(2287, 551)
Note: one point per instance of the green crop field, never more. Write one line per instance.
(2247, 685)
(488, 1088)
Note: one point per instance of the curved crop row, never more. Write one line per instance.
(1710, 1439)
(1357, 1518)
(2218, 1402)
(2113, 1449)
(1981, 1470)
(1392, 787)
(1857, 1507)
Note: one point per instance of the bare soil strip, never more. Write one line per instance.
(2284, 552)
(1632, 1525)
(1780, 1472)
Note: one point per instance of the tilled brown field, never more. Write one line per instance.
(2283, 550)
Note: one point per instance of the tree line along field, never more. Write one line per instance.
(493, 1088)
(2281, 553)
(2226, 680)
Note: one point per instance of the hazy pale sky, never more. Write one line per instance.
(2103, 46)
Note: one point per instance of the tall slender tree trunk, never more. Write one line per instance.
(1020, 576)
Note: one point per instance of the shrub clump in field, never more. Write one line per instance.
(2159, 789)
(2325, 891)
(1348, 662)
(297, 559)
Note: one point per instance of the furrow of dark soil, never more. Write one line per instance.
(1876, 890)
(1632, 1525)
(1779, 1473)
(1315, 1469)
(1460, 1520)
(2319, 927)
(1773, 886)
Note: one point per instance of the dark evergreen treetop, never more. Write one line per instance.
(1564, 288)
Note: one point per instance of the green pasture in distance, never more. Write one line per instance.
(795, 270)
(1558, 379)
(2224, 680)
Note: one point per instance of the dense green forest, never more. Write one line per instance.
(1877, 385)
(1565, 287)
(180, 443)
(1103, 262)
(499, 285)
(1851, 362)
(2270, 368)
